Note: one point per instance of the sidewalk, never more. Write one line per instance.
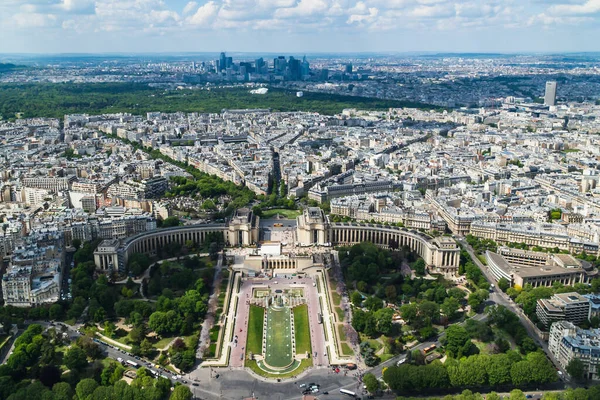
(113, 342)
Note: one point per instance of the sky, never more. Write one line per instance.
(142, 26)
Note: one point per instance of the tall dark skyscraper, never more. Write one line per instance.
(279, 64)
(294, 69)
(259, 64)
(348, 68)
(222, 62)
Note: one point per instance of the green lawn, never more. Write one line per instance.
(341, 333)
(279, 337)
(337, 299)
(347, 350)
(211, 351)
(255, 330)
(301, 326)
(340, 314)
(482, 259)
(163, 342)
(376, 344)
(214, 333)
(288, 214)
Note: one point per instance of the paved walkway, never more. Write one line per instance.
(213, 303)
(113, 342)
(227, 329)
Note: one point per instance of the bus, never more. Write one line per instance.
(348, 392)
(132, 364)
(429, 348)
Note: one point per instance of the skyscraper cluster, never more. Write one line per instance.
(290, 69)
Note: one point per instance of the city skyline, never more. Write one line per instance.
(92, 26)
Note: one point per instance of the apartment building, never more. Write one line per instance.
(567, 342)
(571, 307)
(51, 183)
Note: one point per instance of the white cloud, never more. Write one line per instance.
(139, 17)
(33, 20)
(304, 8)
(589, 7)
(190, 7)
(205, 15)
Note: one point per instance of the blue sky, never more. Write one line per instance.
(90, 26)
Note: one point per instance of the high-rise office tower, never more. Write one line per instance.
(348, 68)
(223, 62)
(305, 68)
(550, 95)
(294, 68)
(259, 64)
(279, 64)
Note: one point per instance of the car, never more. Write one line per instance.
(529, 396)
(195, 384)
(302, 385)
(184, 381)
(325, 392)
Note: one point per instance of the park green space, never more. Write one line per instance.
(341, 332)
(301, 329)
(347, 350)
(279, 353)
(255, 330)
(56, 100)
(288, 214)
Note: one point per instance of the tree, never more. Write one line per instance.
(85, 388)
(356, 299)
(55, 311)
(62, 391)
(503, 284)
(517, 394)
(170, 222)
(109, 328)
(458, 341)
(49, 375)
(390, 293)
(75, 358)
(576, 369)
(419, 267)
(450, 307)
(383, 318)
(373, 303)
(181, 392)
(371, 382)
(457, 293)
